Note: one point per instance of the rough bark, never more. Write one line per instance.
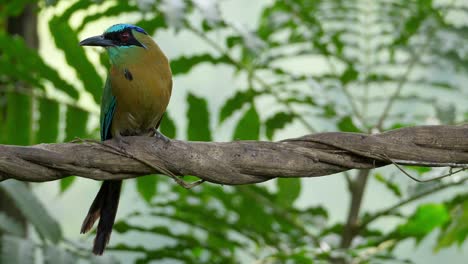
(240, 162)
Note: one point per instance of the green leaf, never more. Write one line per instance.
(457, 230)
(66, 183)
(446, 114)
(151, 25)
(48, 121)
(393, 187)
(289, 190)
(278, 121)
(53, 255)
(339, 45)
(147, 187)
(329, 110)
(184, 238)
(184, 64)
(29, 66)
(236, 102)
(9, 225)
(103, 260)
(80, 5)
(2, 120)
(400, 125)
(167, 126)
(426, 218)
(349, 75)
(233, 41)
(13, 8)
(66, 39)
(76, 123)
(419, 170)
(301, 257)
(346, 124)
(118, 8)
(411, 26)
(248, 127)
(32, 210)
(198, 119)
(17, 250)
(19, 120)
(254, 215)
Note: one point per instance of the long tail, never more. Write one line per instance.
(104, 207)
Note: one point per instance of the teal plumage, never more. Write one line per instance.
(135, 97)
(108, 104)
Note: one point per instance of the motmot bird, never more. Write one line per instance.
(135, 97)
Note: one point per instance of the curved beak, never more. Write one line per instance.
(97, 41)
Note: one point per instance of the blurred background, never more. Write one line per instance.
(258, 70)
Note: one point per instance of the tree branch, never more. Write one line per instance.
(240, 162)
(392, 209)
(357, 192)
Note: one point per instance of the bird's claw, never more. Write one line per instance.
(122, 144)
(161, 136)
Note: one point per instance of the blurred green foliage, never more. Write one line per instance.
(379, 58)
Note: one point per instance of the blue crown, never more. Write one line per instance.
(122, 27)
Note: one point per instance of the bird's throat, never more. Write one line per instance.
(120, 56)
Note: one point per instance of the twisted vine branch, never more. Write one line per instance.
(240, 162)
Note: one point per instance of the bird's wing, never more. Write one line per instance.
(108, 104)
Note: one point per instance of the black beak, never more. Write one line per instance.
(97, 41)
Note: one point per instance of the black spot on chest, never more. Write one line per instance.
(128, 75)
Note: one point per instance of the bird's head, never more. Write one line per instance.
(122, 42)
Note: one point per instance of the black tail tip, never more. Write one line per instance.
(100, 243)
(98, 251)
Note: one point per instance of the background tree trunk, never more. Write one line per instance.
(24, 25)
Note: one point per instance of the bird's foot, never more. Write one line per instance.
(161, 136)
(121, 150)
(122, 143)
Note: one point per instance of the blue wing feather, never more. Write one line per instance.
(108, 105)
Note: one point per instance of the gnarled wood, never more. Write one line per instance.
(240, 162)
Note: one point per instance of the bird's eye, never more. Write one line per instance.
(124, 36)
